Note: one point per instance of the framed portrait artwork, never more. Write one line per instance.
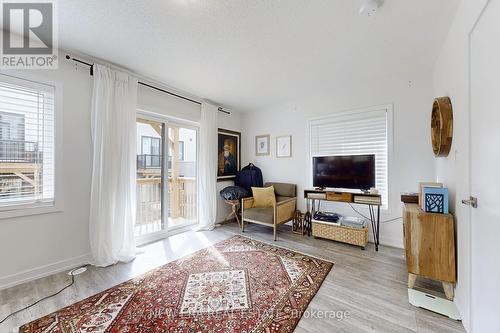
(228, 154)
(262, 145)
(284, 146)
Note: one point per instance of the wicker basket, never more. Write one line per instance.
(349, 235)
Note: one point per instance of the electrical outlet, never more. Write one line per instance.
(78, 271)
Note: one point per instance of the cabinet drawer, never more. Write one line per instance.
(339, 196)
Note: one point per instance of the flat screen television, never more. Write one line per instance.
(349, 172)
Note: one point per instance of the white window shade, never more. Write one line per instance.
(355, 133)
(26, 142)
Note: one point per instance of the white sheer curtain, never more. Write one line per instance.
(208, 168)
(112, 198)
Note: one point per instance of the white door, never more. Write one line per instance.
(485, 170)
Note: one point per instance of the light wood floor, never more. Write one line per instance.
(369, 286)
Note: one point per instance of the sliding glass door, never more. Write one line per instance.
(167, 168)
(182, 175)
(149, 188)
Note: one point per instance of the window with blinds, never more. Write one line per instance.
(354, 133)
(26, 142)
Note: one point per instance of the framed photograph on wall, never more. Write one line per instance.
(228, 154)
(262, 145)
(284, 146)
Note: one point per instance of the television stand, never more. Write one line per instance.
(373, 201)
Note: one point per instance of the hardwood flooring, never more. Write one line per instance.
(366, 289)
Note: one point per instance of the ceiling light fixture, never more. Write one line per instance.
(368, 8)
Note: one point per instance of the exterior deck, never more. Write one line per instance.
(181, 196)
(20, 169)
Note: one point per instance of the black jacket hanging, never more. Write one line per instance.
(250, 176)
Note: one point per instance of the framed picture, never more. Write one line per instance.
(262, 145)
(435, 200)
(228, 153)
(284, 146)
(421, 187)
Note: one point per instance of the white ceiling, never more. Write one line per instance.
(253, 54)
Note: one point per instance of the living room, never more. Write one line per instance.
(236, 166)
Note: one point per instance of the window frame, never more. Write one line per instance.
(57, 204)
(151, 155)
(390, 152)
(11, 114)
(151, 138)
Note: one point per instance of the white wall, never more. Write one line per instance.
(157, 102)
(451, 78)
(57, 240)
(412, 159)
(38, 245)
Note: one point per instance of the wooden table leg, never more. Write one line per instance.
(411, 280)
(235, 212)
(448, 290)
(228, 216)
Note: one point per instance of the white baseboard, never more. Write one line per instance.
(43, 271)
(464, 313)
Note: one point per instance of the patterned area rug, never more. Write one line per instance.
(237, 285)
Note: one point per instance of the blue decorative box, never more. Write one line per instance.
(435, 200)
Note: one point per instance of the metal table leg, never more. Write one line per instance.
(375, 221)
(378, 227)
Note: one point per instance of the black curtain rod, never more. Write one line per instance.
(145, 84)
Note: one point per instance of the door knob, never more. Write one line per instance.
(472, 201)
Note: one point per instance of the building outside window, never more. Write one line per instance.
(26, 143)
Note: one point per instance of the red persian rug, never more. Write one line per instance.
(237, 285)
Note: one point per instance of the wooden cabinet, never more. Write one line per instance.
(429, 246)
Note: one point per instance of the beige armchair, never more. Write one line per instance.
(283, 210)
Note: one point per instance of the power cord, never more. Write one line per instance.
(362, 215)
(46, 297)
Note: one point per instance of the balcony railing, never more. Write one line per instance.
(182, 203)
(182, 193)
(146, 161)
(19, 151)
(21, 169)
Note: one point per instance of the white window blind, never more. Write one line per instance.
(354, 133)
(26, 142)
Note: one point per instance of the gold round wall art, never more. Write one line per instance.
(442, 126)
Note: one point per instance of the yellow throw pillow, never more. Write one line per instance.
(263, 197)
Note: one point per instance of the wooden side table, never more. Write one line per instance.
(430, 247)
(235, 210)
